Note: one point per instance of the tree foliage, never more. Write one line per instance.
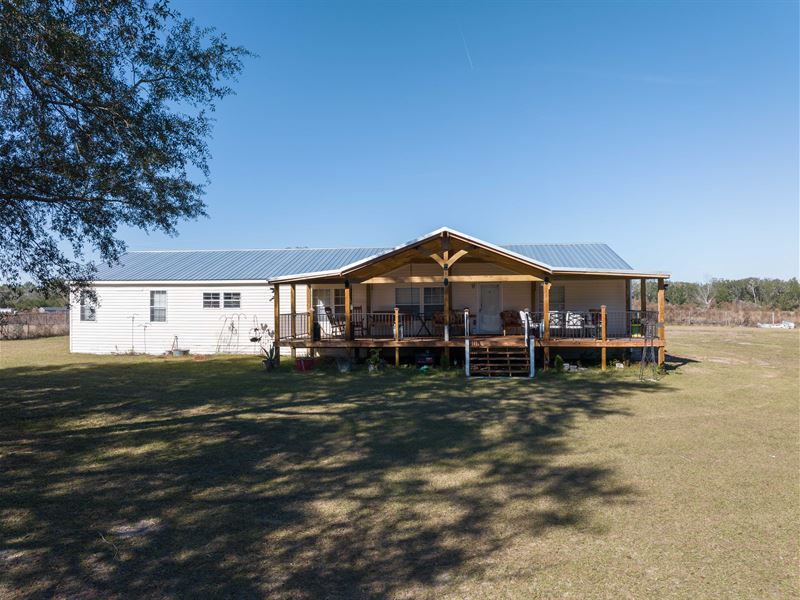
(104, 121)
(28, 297)
(778, 294)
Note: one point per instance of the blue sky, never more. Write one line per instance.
(668, 130)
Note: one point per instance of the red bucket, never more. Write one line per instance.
(304, 364)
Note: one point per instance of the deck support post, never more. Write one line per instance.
(603, 337)
(396, 336)
(531, 355)
(466, 356)
(310, 316)
(546, 319)
(293, 312)
(643, 294)
(661, 320)
(348, 307)
(276, 303)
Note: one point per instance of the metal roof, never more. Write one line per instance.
(572, 256)
(240, 265)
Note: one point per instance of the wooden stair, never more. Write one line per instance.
(498, 361)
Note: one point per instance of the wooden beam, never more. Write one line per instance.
(439, 260)
(455, 258)
(293, 312)
(276, 303)
(348, 306)
(533, 297)
(369, 307)
(546, 318)
(603, 336)
(662, 316)
(310, 314)
(454, 278)
(627, 295)
(643, 294)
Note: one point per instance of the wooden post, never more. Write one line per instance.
(277, 306)
(533, 297)
(448, 299)
(310, 317)
(396, 336)
(546, 319)
(662, 315)
(643, 295)
(369, 308)
(627, 297)
(348, 306)
(603, 337)
(293, 312)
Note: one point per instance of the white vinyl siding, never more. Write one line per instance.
(200, 330)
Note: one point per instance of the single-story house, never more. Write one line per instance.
(445, 290)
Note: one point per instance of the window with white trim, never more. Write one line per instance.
(88, 310)
(332, 298)
(158, 306)
(433, 301)
(232, 300)
(210, 299)
(407, 299)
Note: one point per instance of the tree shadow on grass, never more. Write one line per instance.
(214, 479)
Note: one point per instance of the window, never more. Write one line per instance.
(88, 311)
(333, 298)
(210, 299)
(407, 300)
(232, 300)
(158, 307)
(557, 298)
(434, 301)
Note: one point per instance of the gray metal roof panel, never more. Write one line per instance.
(230, 265)
(592, 257)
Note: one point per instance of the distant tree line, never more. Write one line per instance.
(27, 296)
(773, 294)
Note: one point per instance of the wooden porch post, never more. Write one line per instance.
(662, 315)
(310, 317)
(396, 336)
(277, 306)
(603, 337)
(369, 308)
(546, 319)
(643, 294)
(348, 305)
(533, 296)
(628, 297)
(293, 311)
(448, 301)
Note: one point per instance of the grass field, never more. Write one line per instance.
(146, 477)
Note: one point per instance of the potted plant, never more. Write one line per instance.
(374, 361)
(269, 358)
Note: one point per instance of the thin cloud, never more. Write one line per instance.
(466, 48)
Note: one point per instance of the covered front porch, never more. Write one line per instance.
(446, 291)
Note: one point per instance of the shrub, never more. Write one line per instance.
(559, 364)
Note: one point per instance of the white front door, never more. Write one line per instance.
(489, 308)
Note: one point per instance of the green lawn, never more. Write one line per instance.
(145, 477)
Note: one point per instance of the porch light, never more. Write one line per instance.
(446, 282)
(346, 284)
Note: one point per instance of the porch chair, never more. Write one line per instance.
(337, 325)
(574, 324)
(511, 322)
(357, 321)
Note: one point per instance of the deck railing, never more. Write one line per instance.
(564, 324)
